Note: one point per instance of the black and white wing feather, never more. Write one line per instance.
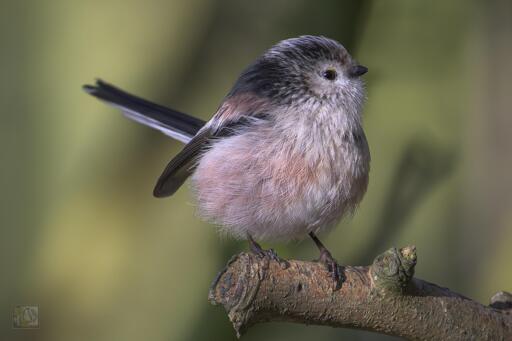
(175, 124)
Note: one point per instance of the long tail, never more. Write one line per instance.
(175, 124)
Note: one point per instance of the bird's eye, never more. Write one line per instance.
(330, 74)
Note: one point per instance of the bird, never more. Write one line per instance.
(283, 157)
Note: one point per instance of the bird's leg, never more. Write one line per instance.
(327, 259)
(270, 253)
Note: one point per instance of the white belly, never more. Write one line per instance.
(247, 184)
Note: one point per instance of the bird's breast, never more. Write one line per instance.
(279, 185)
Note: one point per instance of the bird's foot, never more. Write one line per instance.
(332, 267)
(269, 254)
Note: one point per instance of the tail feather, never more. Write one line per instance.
(175, 124)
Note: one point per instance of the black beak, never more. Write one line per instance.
(357, 70)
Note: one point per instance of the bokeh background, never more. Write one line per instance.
(81, 235)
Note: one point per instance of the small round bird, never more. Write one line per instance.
(284, 156)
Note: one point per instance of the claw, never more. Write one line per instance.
(332, 267)
(270, 253)
(330, 263)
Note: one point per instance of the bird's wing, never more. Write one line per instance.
(235, 113)
(182, 165)
(175, 124)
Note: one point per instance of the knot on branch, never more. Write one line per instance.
(236, 290)
(392, 271)
(501, 300)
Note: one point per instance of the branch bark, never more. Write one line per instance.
(383, 297)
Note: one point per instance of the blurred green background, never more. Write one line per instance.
(82, 236)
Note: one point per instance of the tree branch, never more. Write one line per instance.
(383, 297)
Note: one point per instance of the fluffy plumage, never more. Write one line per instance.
(303, 166)
(285, 154)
